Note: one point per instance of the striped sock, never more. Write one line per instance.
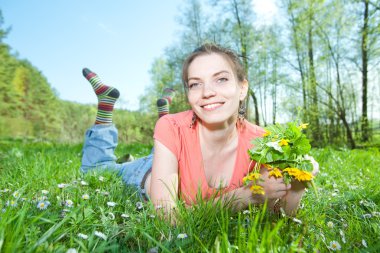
(164, 102)
(107, 97)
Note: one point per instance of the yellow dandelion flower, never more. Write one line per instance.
(275, 173)
(304, 176)
(257, 189)
(298, 174)
(251, 177)
(268, 166)
(254, 176)
(292, 171)
(303, 125)
(245, 179)
(267, 133)
(284, 142)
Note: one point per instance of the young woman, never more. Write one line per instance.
(200, 151)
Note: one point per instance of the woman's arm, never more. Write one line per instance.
(293, 198)
(164, 180)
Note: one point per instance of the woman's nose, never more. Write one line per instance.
(208, 90)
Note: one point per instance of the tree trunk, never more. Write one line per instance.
(244, 55)
(364, 120)
(350, 139)
(314, 113)
(252, 93)
(297, 47)
(274, 92)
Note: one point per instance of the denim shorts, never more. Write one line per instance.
(98, 154)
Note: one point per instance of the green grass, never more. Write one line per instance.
(346, 209)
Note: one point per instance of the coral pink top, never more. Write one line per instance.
(174, 132)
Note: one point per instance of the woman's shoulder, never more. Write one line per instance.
(251, 130)
(178, 119)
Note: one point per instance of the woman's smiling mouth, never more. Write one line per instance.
(213, 106)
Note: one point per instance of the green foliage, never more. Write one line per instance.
(283, 146)
(347, 210)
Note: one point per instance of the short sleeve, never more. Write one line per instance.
(166, 132)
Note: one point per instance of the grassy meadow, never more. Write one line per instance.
(47, 205)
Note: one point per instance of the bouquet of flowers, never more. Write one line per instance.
(283, 150)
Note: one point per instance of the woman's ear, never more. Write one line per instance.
(244, 89)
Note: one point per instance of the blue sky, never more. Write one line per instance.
(117, 39)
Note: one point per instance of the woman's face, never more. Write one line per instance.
(214, 91)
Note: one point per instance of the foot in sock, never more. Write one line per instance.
(107, 97)
(163, 103)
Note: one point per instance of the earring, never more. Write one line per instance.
(193, 120)
(241, 112)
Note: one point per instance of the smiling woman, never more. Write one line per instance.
(197, 153)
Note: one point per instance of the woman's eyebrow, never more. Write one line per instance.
(214, 75)
(221, 72)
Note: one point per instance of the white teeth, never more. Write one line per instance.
(211, 106)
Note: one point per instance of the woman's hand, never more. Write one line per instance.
(274, 188)
(291, 201)
(314, 163)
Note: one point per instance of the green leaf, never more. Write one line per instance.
(275, 145)
(302, 146)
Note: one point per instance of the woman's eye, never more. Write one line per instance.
(194, 85)
(222, 80)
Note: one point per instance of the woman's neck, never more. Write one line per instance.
(218, 135)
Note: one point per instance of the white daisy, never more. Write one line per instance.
(16, 194)
(42, 205)
(83, 182)
(182, 236)
(85, 196)
(334, 245)
(125, 216)
(100, 235)
(72, 250)
(111, 216)
(12, 203)
(83, 236)
(69, 203)
(61, 186)
(139, 205)
(367, 216)
(330, 224)
(111, 204)
(297, 221)
(342, 235)
(101, 178)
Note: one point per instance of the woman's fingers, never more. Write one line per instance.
(314, 163)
